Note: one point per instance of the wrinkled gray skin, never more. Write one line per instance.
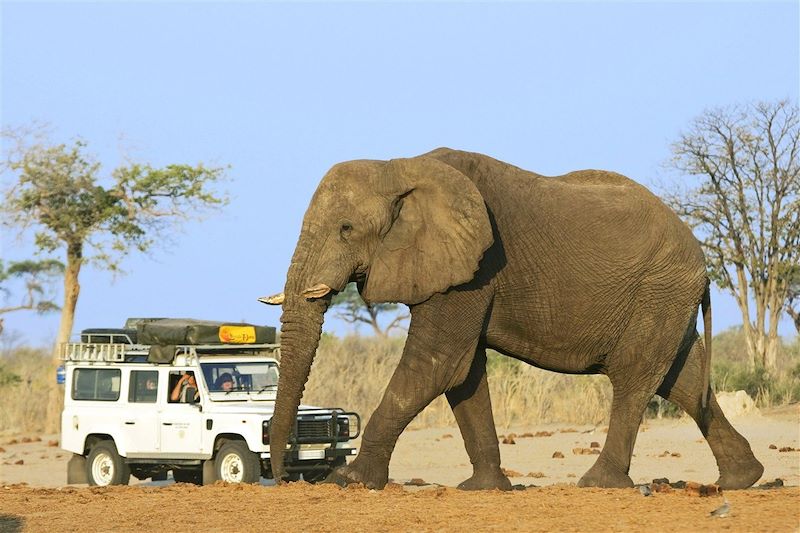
(583, 273)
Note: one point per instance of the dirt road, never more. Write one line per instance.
(672, 449)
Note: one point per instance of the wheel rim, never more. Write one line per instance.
(103, 469)
(232, 469)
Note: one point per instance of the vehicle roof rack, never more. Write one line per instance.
(132, 353)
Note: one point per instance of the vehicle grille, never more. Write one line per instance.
(314, 429)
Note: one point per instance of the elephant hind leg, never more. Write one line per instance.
(738, 467)
(472, 408)
(630, 400)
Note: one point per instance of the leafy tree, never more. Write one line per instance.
(745, 205)
(351, 308)
(36, 276)
(59, 192)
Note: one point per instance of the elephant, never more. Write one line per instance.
(584, 273)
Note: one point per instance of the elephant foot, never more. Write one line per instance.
(602, 474)
(740, 475)
(370, 476)
(488, 478)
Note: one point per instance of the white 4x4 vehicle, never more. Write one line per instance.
(124, 415)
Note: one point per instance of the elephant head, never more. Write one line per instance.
(404, 229)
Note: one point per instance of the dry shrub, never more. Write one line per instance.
(24, 395)
(352, 373)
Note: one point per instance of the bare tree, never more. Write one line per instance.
(351, 308)
(744, 203)
(58, 191)
(793, 301)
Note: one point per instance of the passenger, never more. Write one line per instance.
(179, 391)
(224, 382)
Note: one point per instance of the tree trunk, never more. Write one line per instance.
(72, 290)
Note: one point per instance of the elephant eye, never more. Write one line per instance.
(346, 229)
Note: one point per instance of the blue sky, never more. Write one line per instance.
(280, 92)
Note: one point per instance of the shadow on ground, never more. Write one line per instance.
(10, 523)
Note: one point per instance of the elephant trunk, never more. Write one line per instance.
(301, 327)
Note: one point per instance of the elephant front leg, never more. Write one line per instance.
(442, 339)
(410, 390)
(472, 408)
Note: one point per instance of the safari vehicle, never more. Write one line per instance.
(123, 414)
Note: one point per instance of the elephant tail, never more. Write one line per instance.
(706, 306)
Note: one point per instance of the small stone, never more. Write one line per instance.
(594, 444)
(509, 440)
(543, 434)
(52, 443)
(447, 436)
(20, 462)
(536, 474)
(558, 455)
(702, 491)
(510, 473)
(787, 449)
(661, 487)
(773, 447)
(416, 482)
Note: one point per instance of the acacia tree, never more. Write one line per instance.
(351, 308)
(36, 276)
(58, 191)
(744, 203)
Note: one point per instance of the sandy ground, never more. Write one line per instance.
(34, 495)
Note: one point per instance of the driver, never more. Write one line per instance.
(224, 382)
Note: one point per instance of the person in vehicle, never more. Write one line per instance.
(224, 382)
(179, 392)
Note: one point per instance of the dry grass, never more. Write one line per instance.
(353, 372)
(23, 401)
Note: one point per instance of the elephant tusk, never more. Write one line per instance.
(275, 299)
(317, 291)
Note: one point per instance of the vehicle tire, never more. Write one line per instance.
(317, 476)
(235, 463)
(104, 466)
(188, 475)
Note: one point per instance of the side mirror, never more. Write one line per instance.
(191, 395)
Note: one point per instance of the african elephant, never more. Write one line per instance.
(584, 273)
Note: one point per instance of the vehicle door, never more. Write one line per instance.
(140, 418)
(180, 421)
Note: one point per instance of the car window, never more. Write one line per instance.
(98, 384)
(143, 386)
(178, 390)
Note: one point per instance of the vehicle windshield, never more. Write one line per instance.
(240, 376)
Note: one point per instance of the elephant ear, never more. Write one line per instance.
(438, 234)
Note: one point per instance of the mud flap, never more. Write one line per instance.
(209, 472)
(76, 470)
